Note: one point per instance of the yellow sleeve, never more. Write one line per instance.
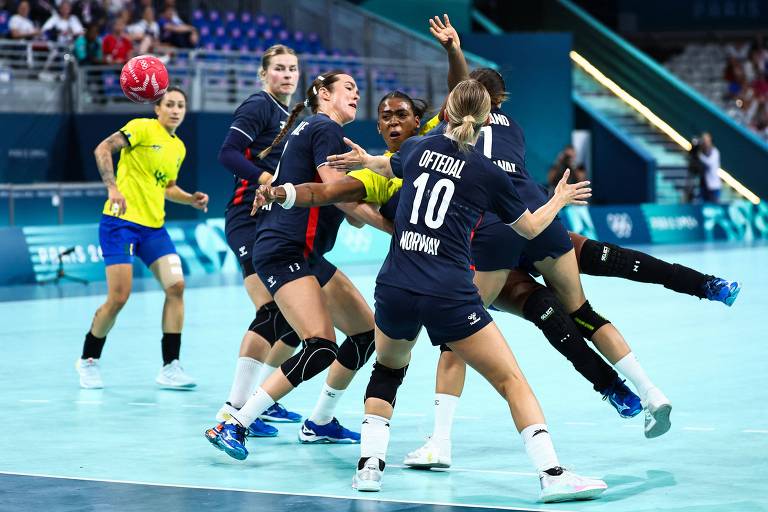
(430, 125)
(135, 131)
(377, 187)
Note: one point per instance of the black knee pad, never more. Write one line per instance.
(547, 313)
(316, 355)
(603, 259)
(384, 382)
(588, 320)
(271, 325)
(356, 350)
(445, 348)
(291, 339)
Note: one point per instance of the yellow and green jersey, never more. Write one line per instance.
(378, 189)
(151, 160)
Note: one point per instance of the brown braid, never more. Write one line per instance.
(297, 109)
(323, 81)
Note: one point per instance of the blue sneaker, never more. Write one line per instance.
(279, 414)
(333, 432)
(722, 291)
(626, 403)
(260, 429)
(231, 440)
(212, 434)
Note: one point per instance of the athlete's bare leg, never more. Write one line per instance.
(119, 283)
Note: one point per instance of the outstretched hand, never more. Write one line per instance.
(264, 195)
(577, 194)
(354, 159)
(444, 32)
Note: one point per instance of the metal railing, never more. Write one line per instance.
(218, 81)
(47, 203)
(34, 76)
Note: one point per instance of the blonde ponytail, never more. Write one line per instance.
(467, 107)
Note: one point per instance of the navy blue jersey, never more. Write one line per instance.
(444, 195)
(260, 118)
(504, 143)
(306, 148)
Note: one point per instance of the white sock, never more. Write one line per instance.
(259, 402)
(445, 407)
(538, 446)
(630, 367)
(374, 437)
(246, 371)
(326, 404)
(265, 372)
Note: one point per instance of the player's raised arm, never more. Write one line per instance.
(530, 224)
(359, 158)
(446, 35)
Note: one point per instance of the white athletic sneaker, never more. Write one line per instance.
(569, 486)
(90, 375)
(172, 376)
(368, 479)
(657, 411)
(432, 455)
(225, 413)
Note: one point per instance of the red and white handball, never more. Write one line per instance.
(144, 79)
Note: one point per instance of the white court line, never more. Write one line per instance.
(699, 429)
(88, 402)
(581, 423)
(282, 493)
(142, 403)
(34, 401)
(195, 406)
(754, 431)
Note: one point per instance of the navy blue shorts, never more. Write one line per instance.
(240, 231)
(275, 272)
(121, 240)
(553, 242)
(496, 246)
(400, 314)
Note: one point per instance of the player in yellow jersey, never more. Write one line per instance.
(132, 225)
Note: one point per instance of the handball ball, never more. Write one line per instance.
(144, 79)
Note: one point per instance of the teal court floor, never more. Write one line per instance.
(133, 447)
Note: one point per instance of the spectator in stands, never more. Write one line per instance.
(90, 11)
(88, 47)
(736, 77)
(145, 32)
(20, 26)
(174, 31)
(63, 26)
(709, 156)
(566, 159)
(115, 7)
(117, 46)
(760, 120)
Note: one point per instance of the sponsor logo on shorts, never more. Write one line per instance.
(473, 318)
(271, 281)
(243, 251)
(606, 251)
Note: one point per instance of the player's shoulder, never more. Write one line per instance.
(257, 102)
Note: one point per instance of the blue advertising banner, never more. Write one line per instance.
(31, 253)
(671, 223)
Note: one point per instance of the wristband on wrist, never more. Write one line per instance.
(290, 195)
